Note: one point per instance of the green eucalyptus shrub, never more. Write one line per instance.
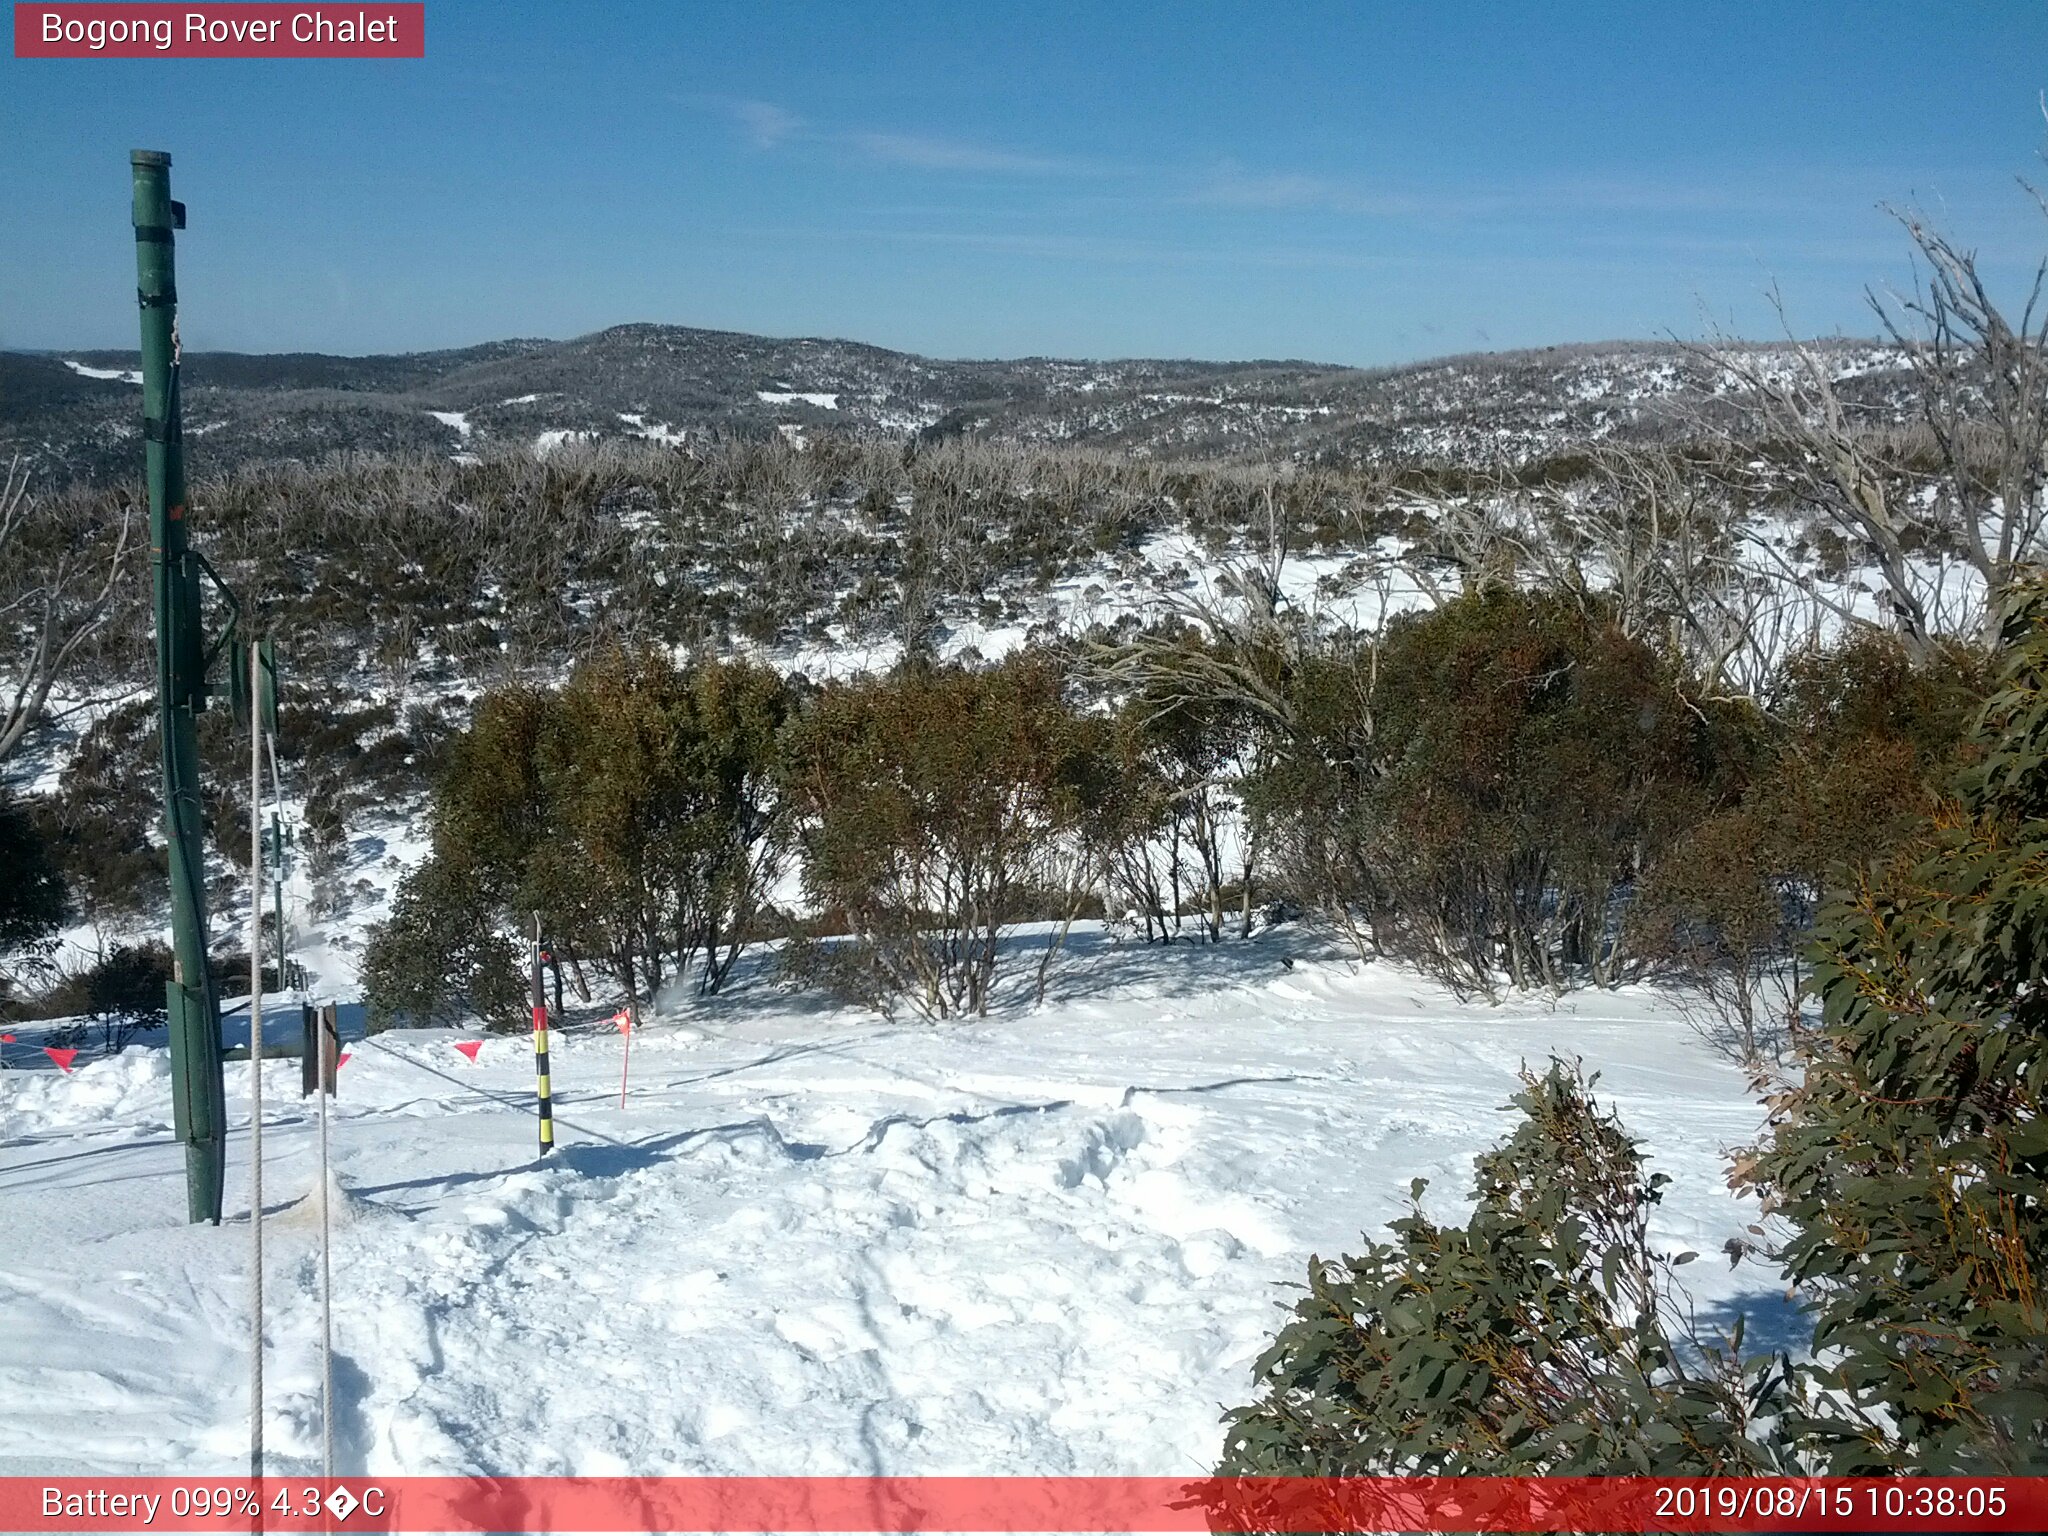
(1542, 1337)
(634, 809)
(1908, 1162)
(939, 808)
(1911, 1158)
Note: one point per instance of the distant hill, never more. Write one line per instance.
(76, 417)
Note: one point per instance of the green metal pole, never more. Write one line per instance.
(198, 1103)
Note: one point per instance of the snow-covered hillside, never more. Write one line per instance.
(813, 1241)
(76, 415)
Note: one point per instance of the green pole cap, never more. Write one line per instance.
(149, 157)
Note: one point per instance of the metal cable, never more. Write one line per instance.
(324, 1075)
(255, 1081)
(326, 1257)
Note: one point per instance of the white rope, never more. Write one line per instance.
(326, 1258)
(255, 1072)
(325, 1072)
(277, 853)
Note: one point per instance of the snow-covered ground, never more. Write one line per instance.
(653, 431)
(125, 375)
(548, 442)
(814, 1241)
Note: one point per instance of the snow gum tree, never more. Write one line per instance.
(1538, 1339)
(633, 808)
(1850, 760)
(655, 839)
(1909, 1165)
(1478, 787)
(1911, 1159)
(1174, 810)
(33, 899)
(444, 954)
(937, 807)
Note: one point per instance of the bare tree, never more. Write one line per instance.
(1481, 537)
(1981, 382)
(54, 596)
(1836, 467)
(1224, 640)
(1661, 538)
(1983, 388)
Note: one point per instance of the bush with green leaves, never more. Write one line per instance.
(1479, 788)
(661, 834)
(99, 819)
(1871, 738)
(1715, 923)
(125, 992)
(634, 809)
(1131, 822)
(1196, 748)
(1909, 1164)
(120, 995)
(1911, 1158)
(939, 808)
(1311, 800)
(1862, 738)
(1543, 1337)
(443, 956)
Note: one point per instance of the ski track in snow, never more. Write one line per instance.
(815, 1242)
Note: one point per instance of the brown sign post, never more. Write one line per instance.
(321, 1057)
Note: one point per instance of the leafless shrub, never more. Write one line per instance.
(60, 577)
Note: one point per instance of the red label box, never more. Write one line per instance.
(116, 31)
(164, 1506)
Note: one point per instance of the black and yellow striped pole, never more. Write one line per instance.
(540, 1049)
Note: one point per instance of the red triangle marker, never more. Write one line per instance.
(61, 1056)
(342, 1060)
(6, 1039)
(624, 1020)
(469, 1048)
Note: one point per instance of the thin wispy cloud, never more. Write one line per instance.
(1229, 185)
(765, 124)
(1601, 219)
(934, 154)
(1143, 252)
(768, 126)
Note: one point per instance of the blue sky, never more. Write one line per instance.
(1357, 183)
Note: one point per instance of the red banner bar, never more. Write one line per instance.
(117, 31)
(1052, 1504)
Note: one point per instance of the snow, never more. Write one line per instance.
(547, 442)
(791, 397)
(814, 1241)
(1360, 588)
(657, 431)
(459, 420)
(132, 1089)
(125, 375)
